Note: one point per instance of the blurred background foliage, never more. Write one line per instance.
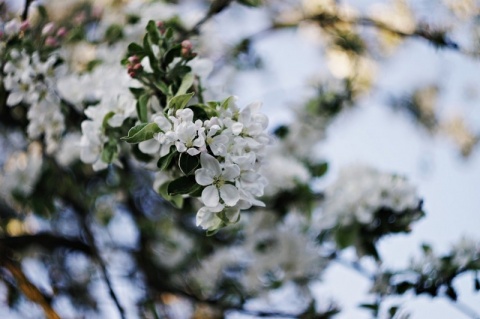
(77, 243)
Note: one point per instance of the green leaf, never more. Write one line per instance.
(213, 231)
(162, 87)
(281, 131)
(403, 287)
(250, 3)
(164, 161)
(135, 49)
(110, 151)
(153, 31)
(176, 201)
(392, 311)
(345, 237)
(142, 107)
(141, 132)
(373, 307)
(188, 163)
(179, 71)
(186, 84)
(107, 117)
(180, 101)
(183, 185)
(427, 249)
(318, 170)
(451, 293)
(172, 54)
(169, 33)
(199, 112)
(114, 33)
(137, 92)
(226, 103)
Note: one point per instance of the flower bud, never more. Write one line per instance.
(161, 26)
(48, 28)
(187, 49)
(62, 32)
(186, 44)
(134, 59)
(51, 41)
(24, 25)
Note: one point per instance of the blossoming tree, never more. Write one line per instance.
(135, 184)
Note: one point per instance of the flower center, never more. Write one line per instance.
(218, 181)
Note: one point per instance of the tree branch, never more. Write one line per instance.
(217, 6)
(46, 240)
(98, 258)
(25, 10)
(27, 288)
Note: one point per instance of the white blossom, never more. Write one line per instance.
(216, 178)
(360, 191)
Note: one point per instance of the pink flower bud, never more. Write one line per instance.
(137, 67)
(25, 25)
(62, 32)
(186, 44)
(51, 41)
(133, 59)
(48, 28)
(132, 74)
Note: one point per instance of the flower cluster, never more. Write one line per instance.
(271, 254)
(29, 81)
(223, 152)
(361, 191)
(111, 112)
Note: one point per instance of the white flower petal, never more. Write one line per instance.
(116, 120)
(149, 147)
(231, 172)
(237, 128)
(232, 214)
(14, 98)
(203, 177)
(192, 151)
(207, 217)
(210, 163)
(229, 194)
(210, 196)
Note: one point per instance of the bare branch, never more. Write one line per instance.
(29, 289)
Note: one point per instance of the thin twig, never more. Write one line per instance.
(103, 267)
(216, 7)
(25, 9)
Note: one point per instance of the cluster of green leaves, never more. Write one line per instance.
(168, 83)
(170, 74)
